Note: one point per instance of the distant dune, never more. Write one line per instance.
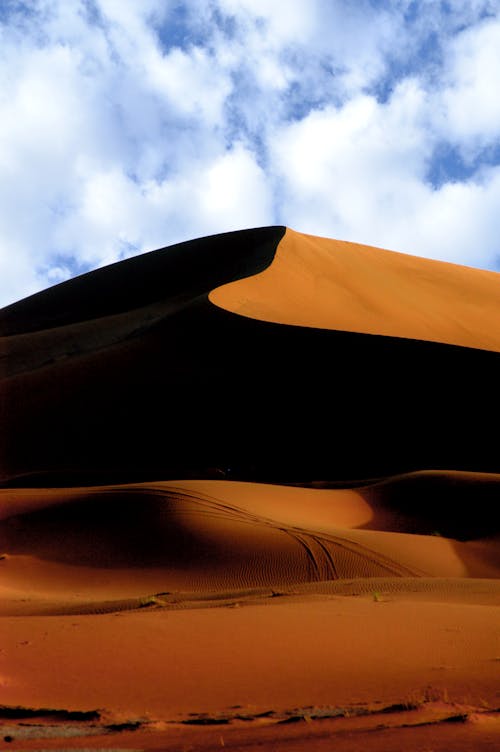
(251, 479)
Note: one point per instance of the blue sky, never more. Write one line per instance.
(127, 125)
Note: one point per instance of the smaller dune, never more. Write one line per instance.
(107, 544)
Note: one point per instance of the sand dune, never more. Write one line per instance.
(97, 371)
(245, 481)
(207, 537)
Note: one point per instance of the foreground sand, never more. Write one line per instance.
(248, 499)
(264, 604)
(239, 669)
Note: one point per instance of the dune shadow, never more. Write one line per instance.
(458, 505)
(127, 530)
(204, 389)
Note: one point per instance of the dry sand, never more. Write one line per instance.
(353, 611)
(331, 284)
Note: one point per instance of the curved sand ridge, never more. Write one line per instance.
(333, 284)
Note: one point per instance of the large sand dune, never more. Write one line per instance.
(248, 480)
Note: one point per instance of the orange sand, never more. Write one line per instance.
(212, 613)
(332, 284)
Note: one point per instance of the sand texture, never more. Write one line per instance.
(249, 495)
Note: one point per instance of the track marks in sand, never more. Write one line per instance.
(335, 557)
(200, 542)
(330, 556)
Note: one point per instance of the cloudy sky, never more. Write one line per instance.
(127, 125)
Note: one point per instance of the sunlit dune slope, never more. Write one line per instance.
(131, 373)
(332, 284)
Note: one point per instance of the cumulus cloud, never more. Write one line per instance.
(130, 126)
(471, 101)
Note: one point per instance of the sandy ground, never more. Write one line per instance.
(241, 605)
(187, 610)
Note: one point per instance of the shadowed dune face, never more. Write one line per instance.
(230, 395)
(252, 399)
(171, 276)
(454, 504)
(196, 541)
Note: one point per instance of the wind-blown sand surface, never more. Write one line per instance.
(249, 499)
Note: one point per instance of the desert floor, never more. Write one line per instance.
(201, 614)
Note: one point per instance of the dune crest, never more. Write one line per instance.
(333, 284)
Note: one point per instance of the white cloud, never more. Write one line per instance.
(189, 82)
(235, 190)
(376, 140)
(118, 215)
(358, 173)
(298, 22)
(460, 222)
(471, 101)
(355, 161)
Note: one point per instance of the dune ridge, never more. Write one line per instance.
(333, 284)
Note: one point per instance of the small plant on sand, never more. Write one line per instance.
(429, 694)
(151, 600)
